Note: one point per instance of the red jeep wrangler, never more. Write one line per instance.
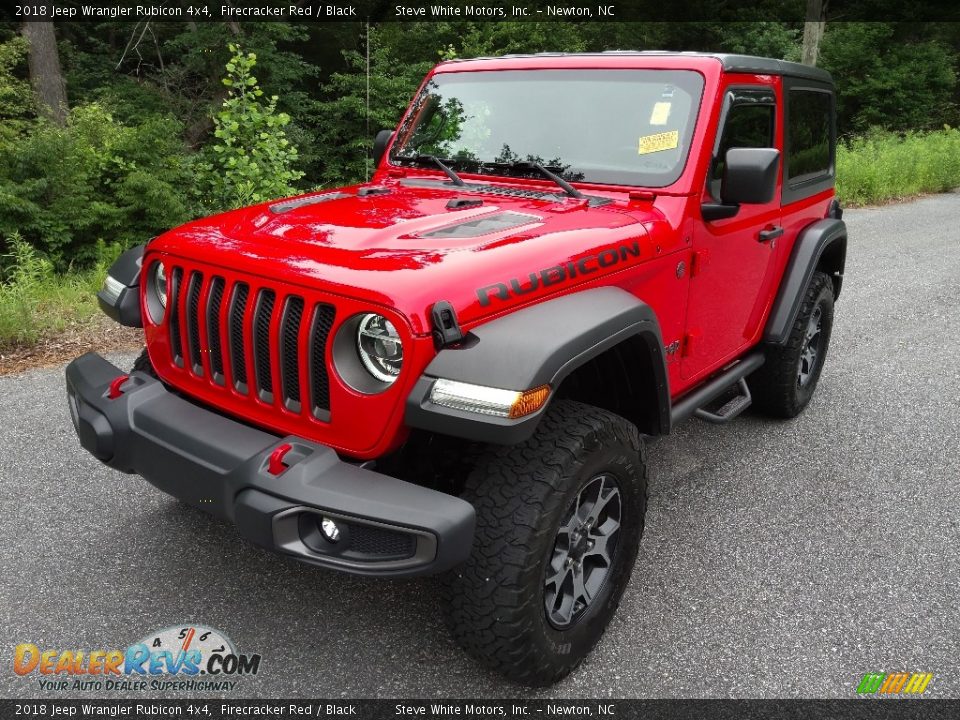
(450, 369)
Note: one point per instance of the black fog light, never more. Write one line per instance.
(322, 534)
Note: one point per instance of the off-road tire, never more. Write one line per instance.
(495, 602)
(143, 364)
(776, 387)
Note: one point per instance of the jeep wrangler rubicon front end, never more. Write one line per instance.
(451, 369)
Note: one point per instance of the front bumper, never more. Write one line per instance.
(387, 527)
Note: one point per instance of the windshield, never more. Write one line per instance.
(623, 127)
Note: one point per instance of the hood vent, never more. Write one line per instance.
(367, 191)
(483, 225)
(460, 203)
(286, 205)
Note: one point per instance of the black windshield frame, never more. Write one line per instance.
(604, 120)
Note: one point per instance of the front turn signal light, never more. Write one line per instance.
(529, 402)
(485, 400)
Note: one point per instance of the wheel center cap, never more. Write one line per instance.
(579, 547)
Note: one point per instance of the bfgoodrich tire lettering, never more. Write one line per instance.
(495, 602)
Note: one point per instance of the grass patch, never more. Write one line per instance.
(36, 302)
(884, 166)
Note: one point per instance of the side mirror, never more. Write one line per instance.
(380, 143)
(749, 178)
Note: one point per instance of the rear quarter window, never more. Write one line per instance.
(809, 136)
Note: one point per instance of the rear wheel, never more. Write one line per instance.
(783, 386)
(559, 521)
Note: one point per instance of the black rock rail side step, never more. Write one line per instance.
(703, 396)
(730, 409)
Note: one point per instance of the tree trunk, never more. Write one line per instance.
(813, 32)
(45, 74)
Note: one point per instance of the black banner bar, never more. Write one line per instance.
(474, 10)
(913, 709)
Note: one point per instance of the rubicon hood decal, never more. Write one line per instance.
(514, 287)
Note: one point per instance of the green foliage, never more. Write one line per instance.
(251, 160)
(344, 128)
(16, 100)
(35, 301)
(66, 188)
(883, 166)
(492, 39)
(766, 39)
(770, 39)
(888, 78)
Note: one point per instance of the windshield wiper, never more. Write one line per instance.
(434, 160)
(567, 187)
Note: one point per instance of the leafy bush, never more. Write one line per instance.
(252, 159)
(63, 189)
(16, 99)
(883, 166)
(888, 77)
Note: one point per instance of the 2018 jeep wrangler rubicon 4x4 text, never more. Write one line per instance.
(450, 369)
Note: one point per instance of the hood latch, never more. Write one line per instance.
(446, 329)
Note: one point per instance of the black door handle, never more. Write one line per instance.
(770, 233)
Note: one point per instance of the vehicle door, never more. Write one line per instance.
(732, 263)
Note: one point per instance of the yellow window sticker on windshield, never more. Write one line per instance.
(659, 142)
(660, 114)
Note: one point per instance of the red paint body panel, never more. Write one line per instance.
(369, 254)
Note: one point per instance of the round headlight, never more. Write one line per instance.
(155, 292)
(380, 348)
(160, 284)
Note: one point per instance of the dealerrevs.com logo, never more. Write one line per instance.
(897, 683)
(188, 657)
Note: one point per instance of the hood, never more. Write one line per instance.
(408, 244)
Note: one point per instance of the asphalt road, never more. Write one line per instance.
(781, 559)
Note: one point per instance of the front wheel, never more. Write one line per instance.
(559, 521)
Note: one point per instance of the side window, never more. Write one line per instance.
(746, 125)
(808, 130)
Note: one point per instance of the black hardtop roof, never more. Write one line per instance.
(731, 63)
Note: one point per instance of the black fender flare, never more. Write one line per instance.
(537, 345)
(823, 240)
(124, 308)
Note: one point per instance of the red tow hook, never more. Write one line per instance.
(276, 465)
(114, 392)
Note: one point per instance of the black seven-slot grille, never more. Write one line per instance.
(270, 330)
